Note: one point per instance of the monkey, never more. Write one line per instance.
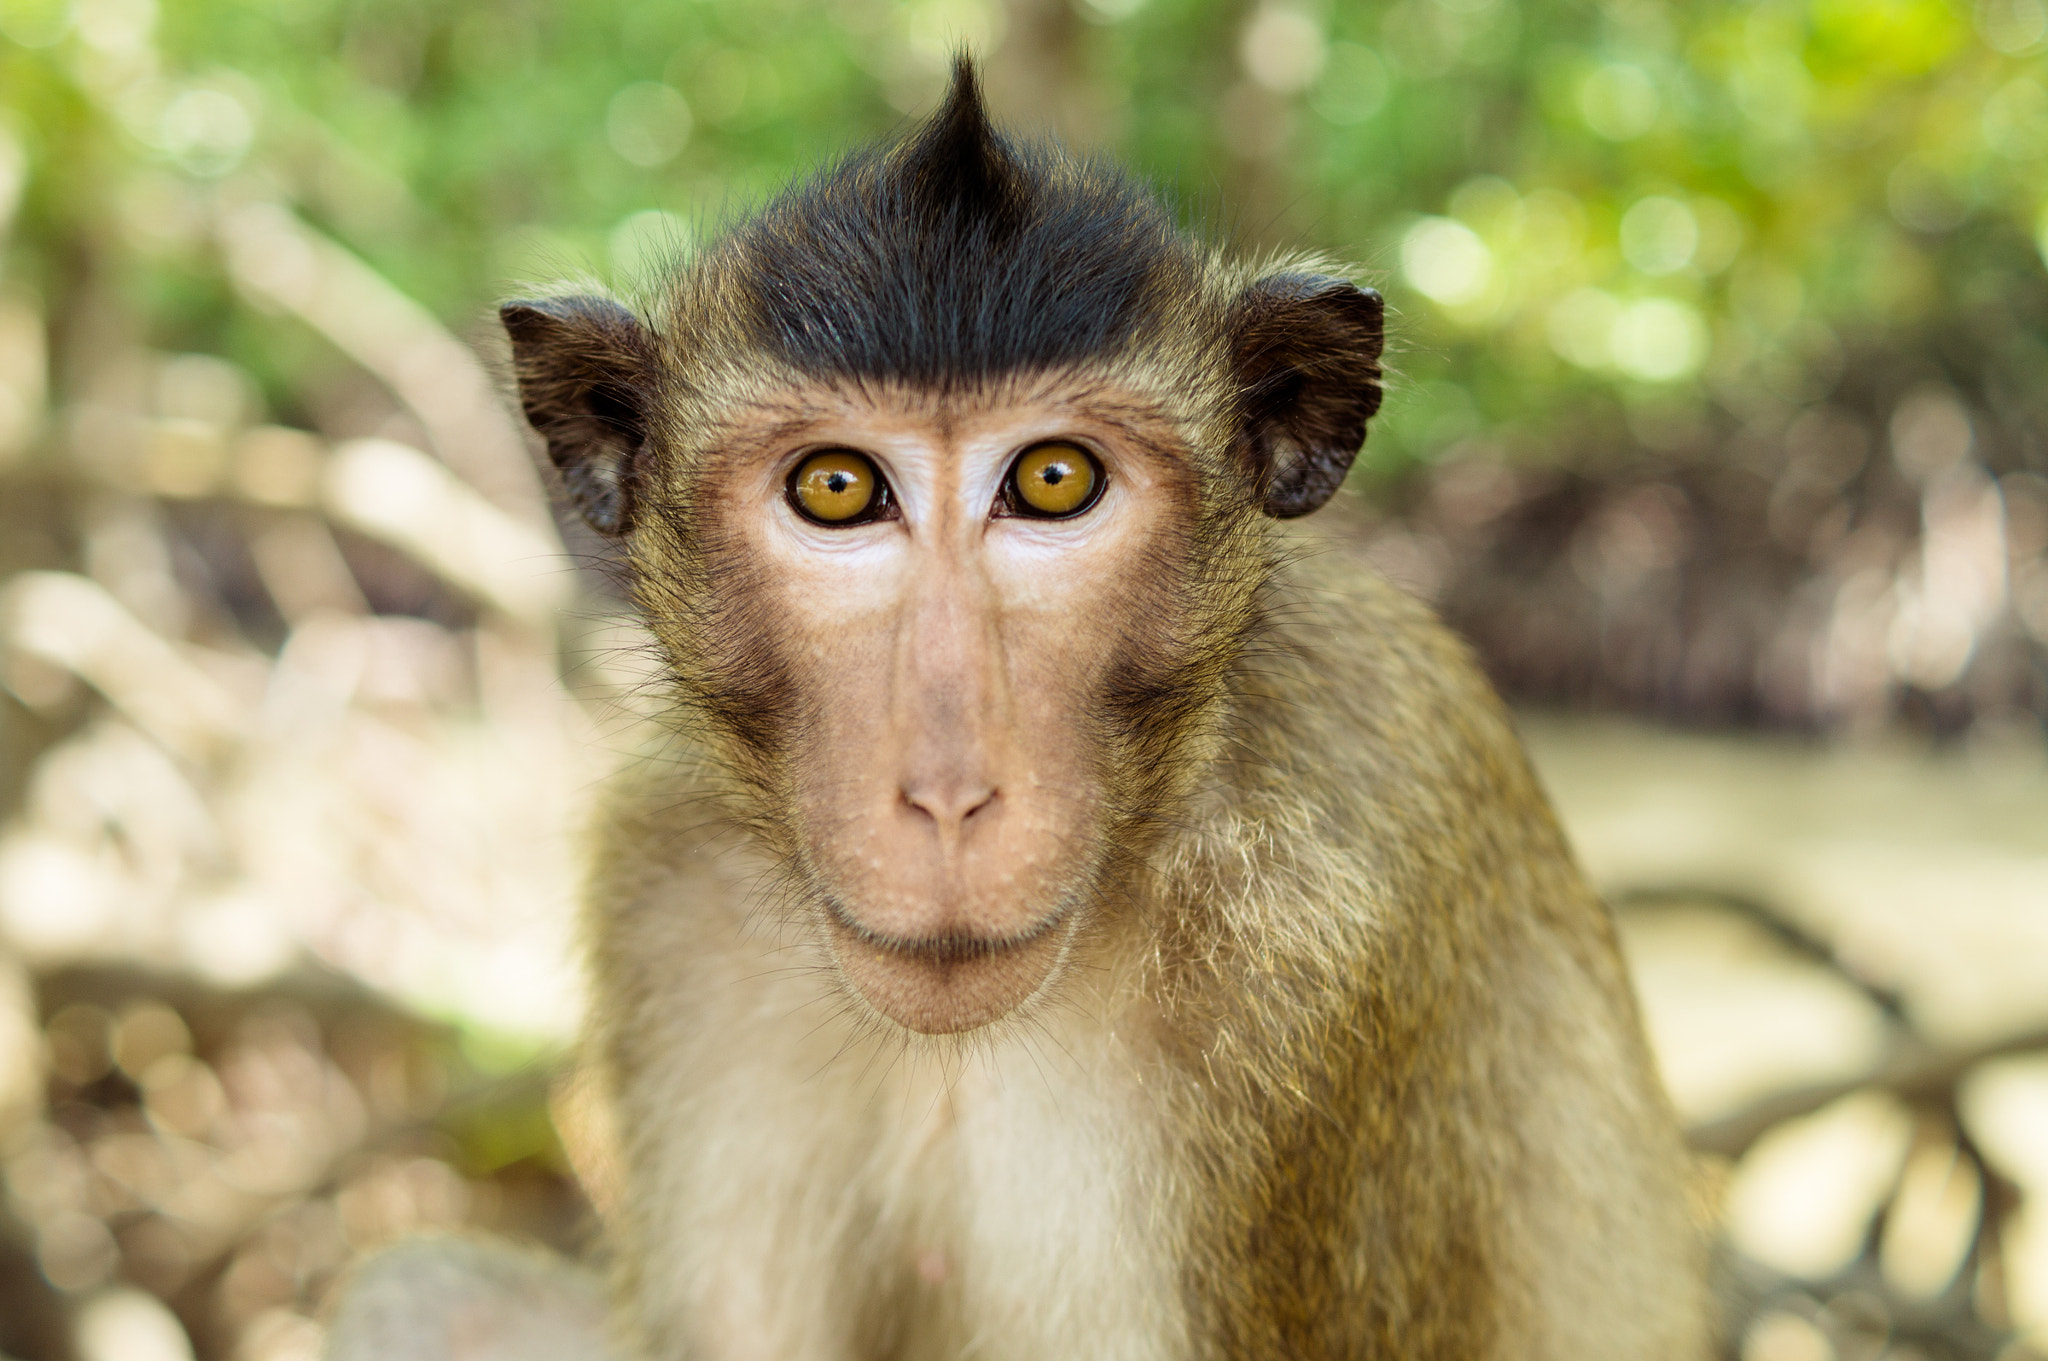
(1072, 909)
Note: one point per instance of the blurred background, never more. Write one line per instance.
(1718, 421)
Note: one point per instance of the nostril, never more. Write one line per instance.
(950, 807)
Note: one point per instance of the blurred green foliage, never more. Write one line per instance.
(1604, 226)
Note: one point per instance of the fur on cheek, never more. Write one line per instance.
(705, 591)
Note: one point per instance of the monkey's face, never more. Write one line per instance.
(948, 589)
(956, 642)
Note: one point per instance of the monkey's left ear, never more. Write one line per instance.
(584, 367)
(1307, 349)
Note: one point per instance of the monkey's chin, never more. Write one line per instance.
(946, 985)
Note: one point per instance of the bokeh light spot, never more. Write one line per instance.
(2016, 119)
(207, 132)
(1446, 260)
(1659, 235)
(1619, 101)
(2012, 26)
(1283, 48)
(1658, 340)
(1354, 85)
(1802, 1198)
(1781, 1335)
(647, 123)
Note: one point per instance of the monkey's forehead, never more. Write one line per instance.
(1153, 407)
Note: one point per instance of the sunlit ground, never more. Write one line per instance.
(1842, 955)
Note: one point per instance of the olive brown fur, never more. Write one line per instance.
(1310, 1040)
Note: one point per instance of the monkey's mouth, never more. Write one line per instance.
(945, 984)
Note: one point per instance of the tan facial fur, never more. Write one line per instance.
(946, 774)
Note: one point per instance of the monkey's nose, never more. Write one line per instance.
(949, 804)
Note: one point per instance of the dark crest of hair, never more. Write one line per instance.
(955, 256)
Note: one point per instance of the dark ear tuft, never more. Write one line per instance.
(586, 368)
(1307, 349)
(957, 167)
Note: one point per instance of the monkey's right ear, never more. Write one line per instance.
(1307, 349)
(585, 367)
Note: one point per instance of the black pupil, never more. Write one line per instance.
(1053, 474)
(837, 482)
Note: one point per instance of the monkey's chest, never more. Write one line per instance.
(1011, 1204)
(1028, 1215)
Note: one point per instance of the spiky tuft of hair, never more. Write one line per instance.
(958, 166)
(956, 256)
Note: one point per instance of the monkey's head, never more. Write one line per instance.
(947, 483)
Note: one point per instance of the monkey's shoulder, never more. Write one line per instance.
(1357, 675)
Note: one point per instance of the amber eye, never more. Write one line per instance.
(836, 487)
(1054, 480)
